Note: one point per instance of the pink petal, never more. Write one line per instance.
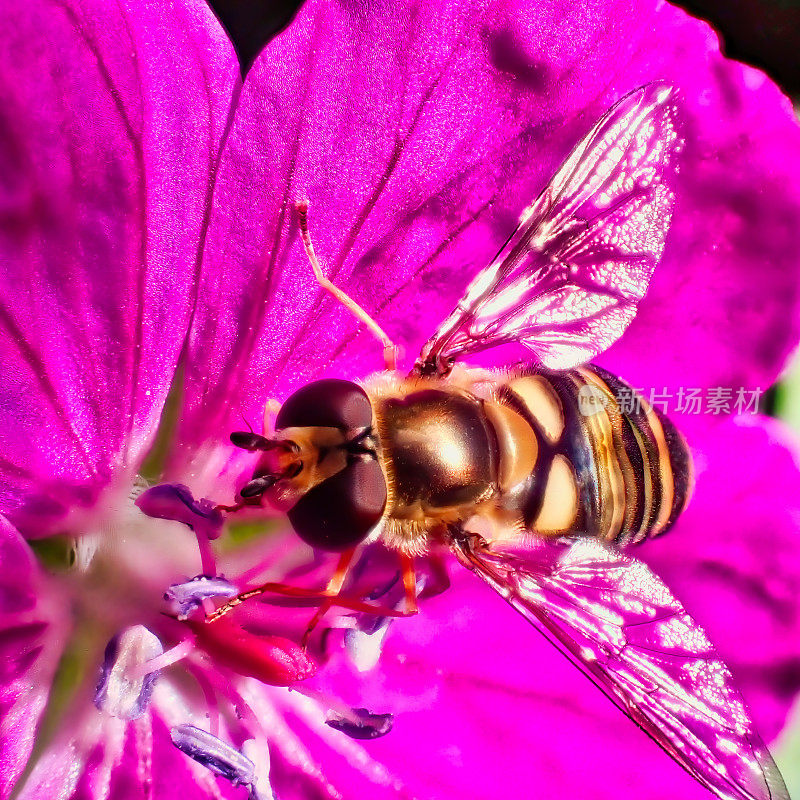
(32, 628)
(123, 761)
(112, 120)
(723, 304)
(733, 558)
(485, 707)
(469, 682)
(418, 135)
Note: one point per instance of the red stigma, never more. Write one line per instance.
(274, 660)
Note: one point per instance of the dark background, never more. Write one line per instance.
(765, 33)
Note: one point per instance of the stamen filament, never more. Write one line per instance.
(208, 561)
(209, 695)
(251, 723)
(166, 659)
(357, 723)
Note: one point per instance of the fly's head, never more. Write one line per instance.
(322, 468)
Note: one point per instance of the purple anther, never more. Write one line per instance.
(212, 752)
(185, 597)
(358, 723)
(175, 501)
(123, 691)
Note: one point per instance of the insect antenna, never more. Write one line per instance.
(254, 442)
(258, 486)
(249, 441)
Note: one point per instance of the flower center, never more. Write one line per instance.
(136, 611)
(115, 576)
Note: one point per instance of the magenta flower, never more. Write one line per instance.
(148, 243)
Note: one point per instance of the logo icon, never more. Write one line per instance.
(591, 400)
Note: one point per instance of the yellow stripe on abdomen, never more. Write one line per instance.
(616, 474)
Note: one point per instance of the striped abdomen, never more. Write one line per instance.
(608, 465)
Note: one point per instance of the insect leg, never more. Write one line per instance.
(409, 582)
(347, 601)
(389, 347)
(333, 589)
(271, 410)
(235, 507)
(250, 494)
(329, 597)
(330, 593)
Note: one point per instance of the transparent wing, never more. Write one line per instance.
(619, 623)
(567, 282)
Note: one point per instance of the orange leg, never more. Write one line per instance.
(333, 590)
(409, 583)
(389, 347)
(330, 596)
(235, 507)
(271, 410)
(245, 502)
(327, 596)
(350, 602)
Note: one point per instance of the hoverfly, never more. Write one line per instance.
(418, 460)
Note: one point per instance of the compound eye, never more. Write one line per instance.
(329, 403)
(339, 512)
